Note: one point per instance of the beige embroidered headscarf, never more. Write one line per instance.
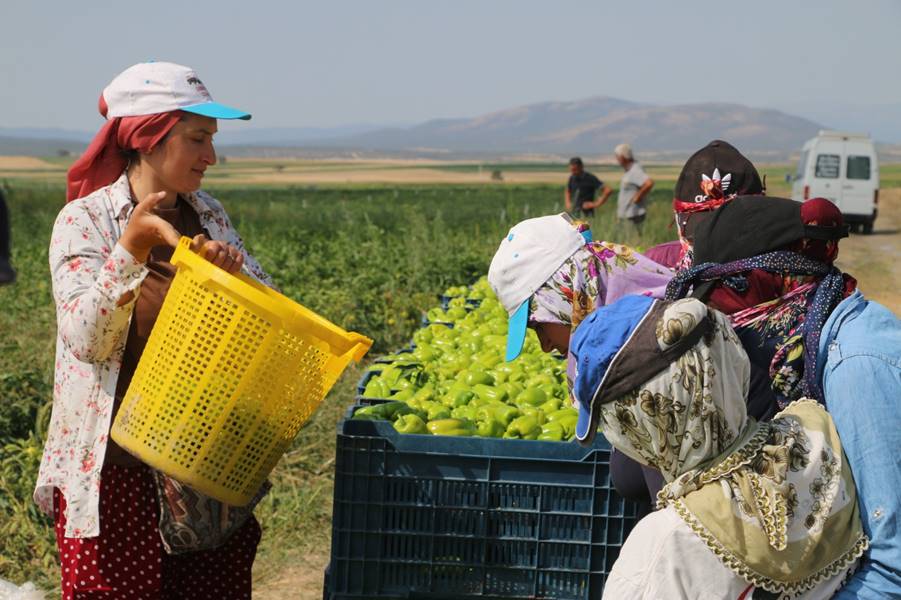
(774, 501)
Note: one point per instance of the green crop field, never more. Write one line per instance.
(372, 259)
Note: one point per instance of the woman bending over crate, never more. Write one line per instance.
(803, 320)
(750, 509)
(123, 530)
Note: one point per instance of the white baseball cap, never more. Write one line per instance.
(528, 256)
(152, 88)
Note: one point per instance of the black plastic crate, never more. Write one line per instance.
(422, 516)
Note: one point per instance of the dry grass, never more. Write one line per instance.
(12, 163)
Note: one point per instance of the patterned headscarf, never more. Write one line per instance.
(596, 275)
(774, 501)
(783, 297)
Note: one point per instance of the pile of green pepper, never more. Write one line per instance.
(455, 381)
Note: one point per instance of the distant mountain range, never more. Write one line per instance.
(592, 126)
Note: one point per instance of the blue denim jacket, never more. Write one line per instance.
(860, 362)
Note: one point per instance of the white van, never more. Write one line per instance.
(843, 168)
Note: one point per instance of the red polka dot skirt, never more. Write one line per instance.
(127, 559)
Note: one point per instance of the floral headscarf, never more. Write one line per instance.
(596, 275)
(779, 301)
(774, 501)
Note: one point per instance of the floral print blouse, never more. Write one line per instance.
(91, 272)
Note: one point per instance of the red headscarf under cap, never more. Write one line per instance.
(104, 160)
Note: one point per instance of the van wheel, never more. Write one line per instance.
(868, 228)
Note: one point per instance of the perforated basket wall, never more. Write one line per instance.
(230, 373)
(421, 516)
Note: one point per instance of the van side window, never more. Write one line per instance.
(858, 167)
(827, 166)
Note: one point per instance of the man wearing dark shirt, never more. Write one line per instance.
(584, 191)
(7, 274)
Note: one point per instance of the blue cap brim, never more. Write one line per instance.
(216, 111)
(584, 422)
(516, 330)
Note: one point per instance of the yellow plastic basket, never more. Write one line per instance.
(231, 371)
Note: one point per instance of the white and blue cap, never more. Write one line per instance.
(152, 88)
(528, 256)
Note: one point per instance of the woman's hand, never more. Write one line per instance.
(220, 254)
(146, 229)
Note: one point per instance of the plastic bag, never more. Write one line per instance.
(10, 591)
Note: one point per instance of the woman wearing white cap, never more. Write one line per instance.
(129, 198)
(549, 274)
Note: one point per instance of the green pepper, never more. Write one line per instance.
(456, 397)
(534, 412)
(403, 384)
(436, 315)
(392, 410)
(387, 411)
(563, 413)
(371, 413)
(476, 376)
(435, 411)
(490, 392)
(551, 406)
(457, 302)
(525, 427)
(552, 432)
(517, 376)
(567, 417)
(513, 389)
(410, 423)
(456, 427)
(376, 388)
(554, 390)
(498, 412)
(500, 376)
(541, 379)
(533, 396)
(401, 395)
(425, 393)
(465, 412)
(455, 313)
(490, 428)
(569, 426)
(479, 402)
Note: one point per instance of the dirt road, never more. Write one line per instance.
(875, 260)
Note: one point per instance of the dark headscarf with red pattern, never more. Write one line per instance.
(770, 260)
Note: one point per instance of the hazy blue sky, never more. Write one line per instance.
(337, 62)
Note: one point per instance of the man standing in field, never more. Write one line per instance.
(633, 188)
(7, 274)
(584, 191)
